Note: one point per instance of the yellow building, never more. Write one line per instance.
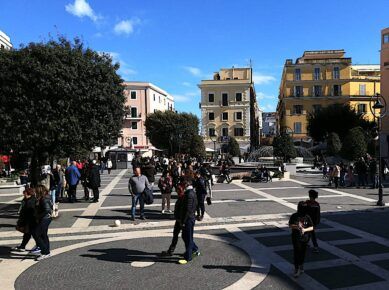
(321, 78)
(229, 108)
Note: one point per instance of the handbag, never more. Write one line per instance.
(209, 200)
(23, 229)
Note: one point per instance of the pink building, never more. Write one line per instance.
(385, 91)
(141, 99)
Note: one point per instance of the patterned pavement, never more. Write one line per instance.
(244, 240)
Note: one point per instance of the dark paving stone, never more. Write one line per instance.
(65, 219)
(108, 266)
(61, 244)
(301, 192)
(239, 194)
(218, 186)
(278, 281)
(260, 185)
(343, 276)
(322, 225)
(310, 256)
(346, 203)
(246, 208)
(275, 241)
(362, 249)
(261, 230)
(335, 235)
(371, 222)
(219, 232)
(383, 264)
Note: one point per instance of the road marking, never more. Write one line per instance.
(87, 216)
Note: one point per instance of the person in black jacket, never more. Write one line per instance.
(187, 220)
(26, 221)
(149, 171)
(43, 220)
(201, 191)
(94, 180)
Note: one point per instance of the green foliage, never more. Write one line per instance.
(334, 145)
(335, 118)
(197, 147)
(283, 147)
(175, 132)
(354, 144)
(233, 147)
(58, 98)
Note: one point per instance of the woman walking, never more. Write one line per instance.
(43, 218)
(165, 184)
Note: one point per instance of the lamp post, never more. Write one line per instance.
(213, 139)
(381, 107)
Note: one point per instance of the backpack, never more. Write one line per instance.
(148, 196)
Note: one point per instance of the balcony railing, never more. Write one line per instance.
(133, 116)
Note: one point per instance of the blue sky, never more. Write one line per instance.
(177, 43)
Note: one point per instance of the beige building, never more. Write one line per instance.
(5, 41)
(142, 98)
(385, 90)
(318, 79)
(229, 108)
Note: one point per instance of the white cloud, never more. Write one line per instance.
(81, 8)
(261, 79)
(186, 84)
(268, 107)
(195, 71)
(181, 98)
(126, 27)
(125, 70)
(262, 96)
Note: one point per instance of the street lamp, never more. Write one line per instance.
(381, 107)
(214, 140)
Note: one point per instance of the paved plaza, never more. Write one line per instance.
(244, 241)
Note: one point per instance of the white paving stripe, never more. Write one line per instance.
(91, 210)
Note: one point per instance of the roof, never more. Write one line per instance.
(138, 85)
(366, 67)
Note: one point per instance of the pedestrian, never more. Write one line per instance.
(84, 179)
(136, 161)
(313, 210)
(201, 192)
(325, 170)
(373, 172)
(137, 185)
(102, 164)
(165, 163)
(94, 180)
(350, 176)
(73, 176)
(43, 220)
(149, 171)
(187, 220)
(301, 225)
(165, 185)
(58, 179)
(109, 165)
(177, 215)
(26, 221)
(336, 175)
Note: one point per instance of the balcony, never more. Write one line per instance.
(129, 116)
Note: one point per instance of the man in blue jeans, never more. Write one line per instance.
(136, 186)
(188, 222)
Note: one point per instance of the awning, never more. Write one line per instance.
(155, 149)
(209, 150)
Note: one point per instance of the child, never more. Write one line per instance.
(313, 210)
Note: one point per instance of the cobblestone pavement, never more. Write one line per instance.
(244, 241)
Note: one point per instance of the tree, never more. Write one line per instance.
(173, 131)
(354, 144)
(334, 145)
(233, 147)
(283, 147)
(58, 98)
(197, 147)
(335, 118)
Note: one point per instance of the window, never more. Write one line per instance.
(211, 132)
(159, 98)
(336, 73)
(238, 97)
(134, 140)
(134, 125)
(297, 109)
(316, 108)
(298, 91)
(337, 90)
(297, 74)
(211, 116)
(154, 97)
(133, 95)
(238, 131)
(316, 75)
(386, 38)
(317, 91)
(211, 98)
(297, 127)
(224, 99)
(361, 108)
(224, 131)
(134, 112)
(362, 90)
(225, 116)
(238, 116)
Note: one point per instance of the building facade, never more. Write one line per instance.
(142, 98)
(269, 124)
(5, 41)
(385, 91)
(321, 78)
(229, 108)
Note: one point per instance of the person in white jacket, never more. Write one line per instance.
(109, 165)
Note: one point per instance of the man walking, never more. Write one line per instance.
(73, 176)
(188, 221)
(94, 180)
(136, 185)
